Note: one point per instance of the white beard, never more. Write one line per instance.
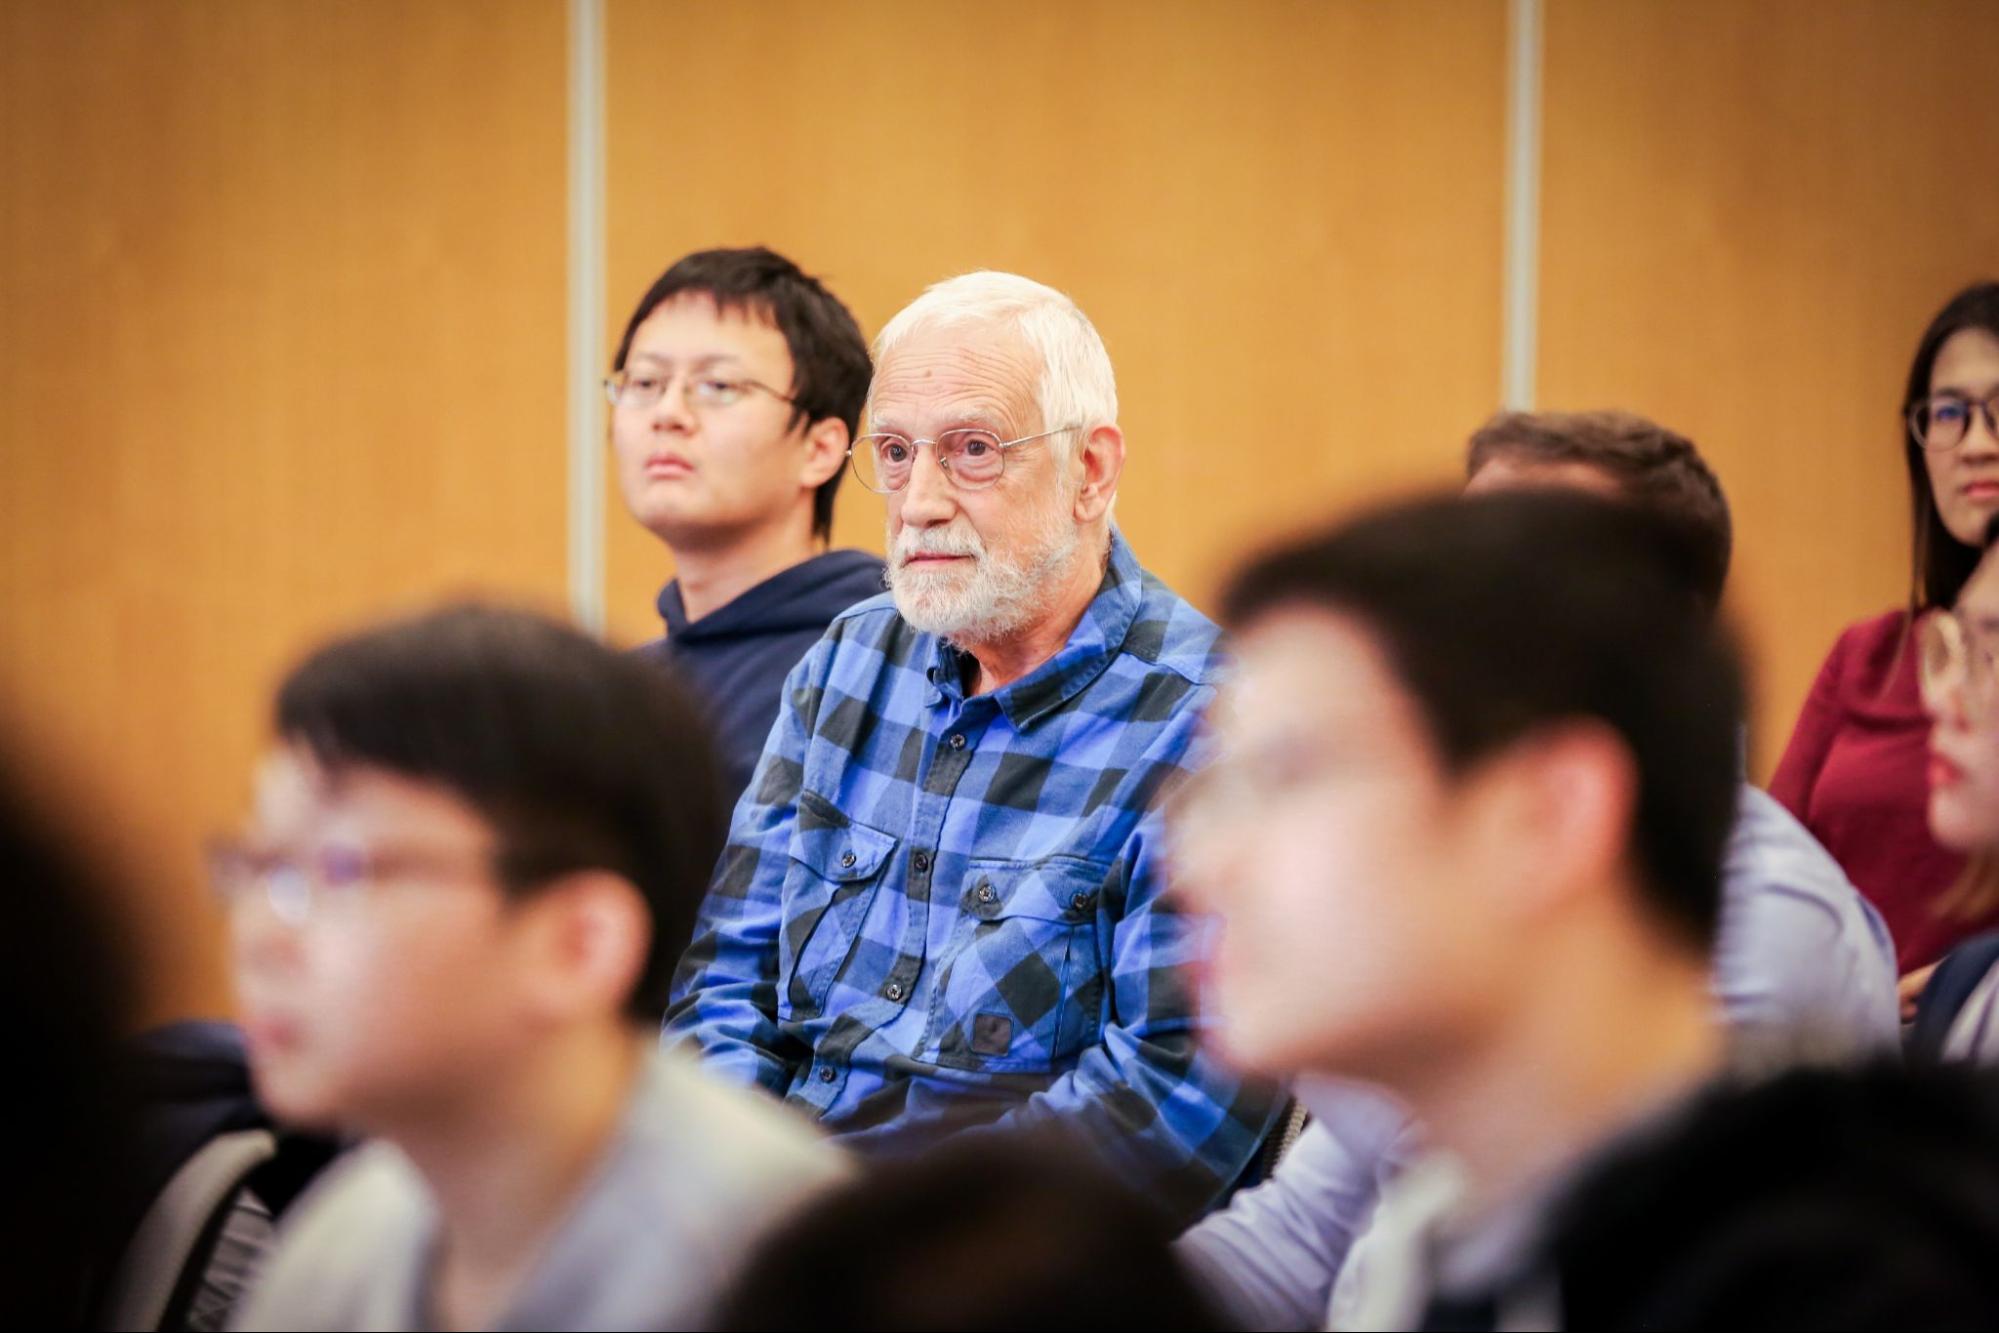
(995, 598)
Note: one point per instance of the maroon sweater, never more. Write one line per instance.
(1856, 773)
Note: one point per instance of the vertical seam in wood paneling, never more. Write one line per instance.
(1521, 293)
(586, 313)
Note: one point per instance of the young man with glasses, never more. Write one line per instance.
(940, 904)
(738, 385)
(1464, 827)
(1801, 964)
(476, 852)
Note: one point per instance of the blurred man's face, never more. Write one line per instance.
(375, 964)
(1336, 851)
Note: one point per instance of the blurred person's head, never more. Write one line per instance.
(1958, 648)
(1950, 442)
(69, 989)
(1822, 1199)
(1958, 663)
(479, 839)
(738, 387)
(992, 433)
(998, 1233)
(1620, 456)
(1477, 757)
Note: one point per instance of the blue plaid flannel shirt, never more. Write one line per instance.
(937, 911)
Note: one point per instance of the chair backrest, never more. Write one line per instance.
(180, 1228)
(1957, 1015)
(205, 1160)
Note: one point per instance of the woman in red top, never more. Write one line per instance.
(1857, 769)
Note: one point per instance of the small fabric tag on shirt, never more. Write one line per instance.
(992, 1034)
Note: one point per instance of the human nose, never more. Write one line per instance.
(263, 930)
(1981, 431)
(928, 496)
(1946, 696)
(1197, 848)
(673, 410)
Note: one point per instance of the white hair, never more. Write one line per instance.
(1077, 387)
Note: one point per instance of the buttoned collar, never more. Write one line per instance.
(1098, 638)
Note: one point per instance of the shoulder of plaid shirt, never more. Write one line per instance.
(937, 911)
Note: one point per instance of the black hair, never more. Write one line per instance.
(1651, 465)
(1939, 562)
(67, 979)
(830, 366)
(579, 757)
(1821, 1199)
(1001, 1231)
(1507, 613)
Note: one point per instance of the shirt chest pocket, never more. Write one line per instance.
(1023, 987)
(836, 867)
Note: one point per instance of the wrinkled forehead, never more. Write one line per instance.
(961, 372)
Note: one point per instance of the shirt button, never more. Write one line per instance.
(922, 862)
(1080, 901)
(846, 860)
(894, 990)
(986, 894)
(957, 740)
(826, 1075)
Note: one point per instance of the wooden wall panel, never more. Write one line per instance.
(281, 345)
(1283, 217)
(1749, 214)
(282, 304)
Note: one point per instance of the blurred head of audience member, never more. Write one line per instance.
(1474, 774)
(1821, 1199)
(69, 993)
(1804, 968)
(1620, 456)
(1958, 654)
(998, 1232)
(736, 390)
(999, 518)
(1951, 443)
(478, 846)
(477, 849)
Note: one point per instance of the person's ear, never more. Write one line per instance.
(1098, 463)
(1557, 813)
(826, 442)
(586, 937)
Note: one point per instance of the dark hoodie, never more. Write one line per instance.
(738, 655)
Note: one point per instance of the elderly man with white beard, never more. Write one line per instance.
(940, 903)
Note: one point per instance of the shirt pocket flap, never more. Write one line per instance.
(1057, 890)
(834, 847)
